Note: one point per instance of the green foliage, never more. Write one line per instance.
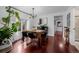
(15, 25)
(6, 20)
(5, 33)
(10, 11)
(18, 23)
(45, 25)
(17, 15)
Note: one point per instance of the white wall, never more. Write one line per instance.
(74, 12)
(72, 26)
(71, 10)
(50, 21)
(2, 14)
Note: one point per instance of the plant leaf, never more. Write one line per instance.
(17, 15)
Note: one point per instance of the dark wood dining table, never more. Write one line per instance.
(38, 34)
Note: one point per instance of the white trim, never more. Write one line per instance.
(50, 34)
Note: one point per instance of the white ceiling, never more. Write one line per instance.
(41, 10)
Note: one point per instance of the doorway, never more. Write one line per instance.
(58, 25)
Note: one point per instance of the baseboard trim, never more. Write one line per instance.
(50, 35)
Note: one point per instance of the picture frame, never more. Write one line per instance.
(43, 20)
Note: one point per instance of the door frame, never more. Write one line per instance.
(55, 24)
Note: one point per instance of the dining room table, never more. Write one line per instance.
(38, 34)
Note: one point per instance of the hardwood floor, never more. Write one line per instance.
(54, 45)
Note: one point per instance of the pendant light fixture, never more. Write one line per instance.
(33, 13)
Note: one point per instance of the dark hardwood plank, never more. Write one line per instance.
(55, 45)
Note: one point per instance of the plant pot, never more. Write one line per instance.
(5, 47)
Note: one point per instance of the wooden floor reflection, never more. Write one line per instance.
(54, 45)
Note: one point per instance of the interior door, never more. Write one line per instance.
(77, 28)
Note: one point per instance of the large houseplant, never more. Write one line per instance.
(7, 31)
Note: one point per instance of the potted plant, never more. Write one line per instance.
(7, 31)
